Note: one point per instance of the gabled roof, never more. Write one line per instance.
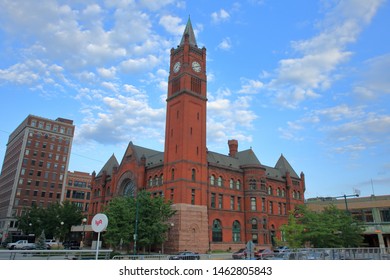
(190, 32)
(139, 152)
(108, 167)
(284, 166)
(247, 157)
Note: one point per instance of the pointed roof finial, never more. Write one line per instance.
(190, 32)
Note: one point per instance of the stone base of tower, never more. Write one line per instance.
(189, 229)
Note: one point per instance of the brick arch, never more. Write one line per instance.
(123, 180)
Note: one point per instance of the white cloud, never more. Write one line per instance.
(250, 86)
(172, 24)
(375, 79)
(301, 78)
(221, 15)
(226, 44)
(107, 73)
(120, 118)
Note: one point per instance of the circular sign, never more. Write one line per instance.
(99, 222)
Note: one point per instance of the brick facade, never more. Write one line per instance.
(222, 201)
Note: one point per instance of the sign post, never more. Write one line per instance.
(99, 223)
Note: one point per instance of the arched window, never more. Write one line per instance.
(298, 195)
(283, 193)
(294, 194)
(161, 179)
(254, 224)
(212, 180)
(156, 180)
(231, 184)
(238, 185)
(173, 174)
(269, 190)
(217, 231)
(278, 191)
(150, 181)
(219, 181)
(236, 231)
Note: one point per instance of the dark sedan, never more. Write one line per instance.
(186, 255)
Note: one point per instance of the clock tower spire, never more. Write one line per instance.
(185, 154)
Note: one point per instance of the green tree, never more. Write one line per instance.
(149, 214)
(331, 228)
(56, 220)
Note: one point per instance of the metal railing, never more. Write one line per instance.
(54, 254)
(296, 254)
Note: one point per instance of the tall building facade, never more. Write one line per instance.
(35, 168)
(78, 190)
(222, 201)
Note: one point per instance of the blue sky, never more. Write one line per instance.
(306, 79)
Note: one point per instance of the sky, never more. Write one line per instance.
(309, 79)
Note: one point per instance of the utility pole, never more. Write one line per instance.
(345, 199)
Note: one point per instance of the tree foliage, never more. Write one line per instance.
(56, 220)
(146, 213)
(331, 228)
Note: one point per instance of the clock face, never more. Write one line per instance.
(176, 67)
(196, 66)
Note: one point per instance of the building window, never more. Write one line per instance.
(212, 180)
(238, 185)
(252, 184)
(253, 204)
(219, 181)
(385, 215)
(212, 205)
(172, 195)
(193, 175)
(236, 231)
(263, 204)
(232, 203)
(231, 184)
(269, 190)
(193, 196)
(271, 207)
(277, 192)
(217, 231)
(254, 224)
(283, 193)
(155, 180)
(255, 238)
(239, 203)
(220, 201)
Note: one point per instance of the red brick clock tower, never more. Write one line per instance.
(185, 155)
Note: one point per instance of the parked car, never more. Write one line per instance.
(52, 243)
(264, 254)
(281, 249)
(185, 255)
(21, 245)
(71, 245)
(240, 254)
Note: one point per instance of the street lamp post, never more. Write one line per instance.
(62, 230)
(84, 221)
(136, 228)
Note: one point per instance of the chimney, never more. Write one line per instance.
(233, 147)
